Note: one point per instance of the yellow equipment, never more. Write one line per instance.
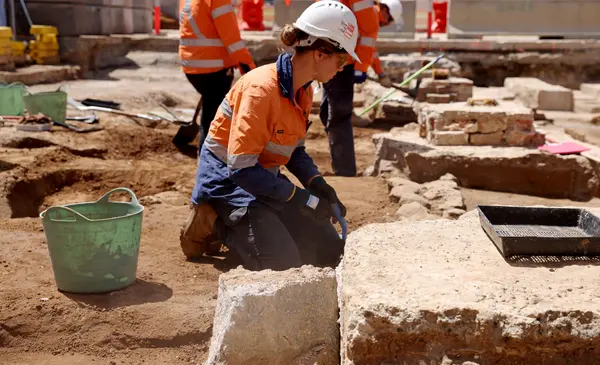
(6, 42)
(44, 49)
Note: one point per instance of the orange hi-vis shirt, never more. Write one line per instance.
(259, 127)
(209, 37)
(368, 28)
(376, 64)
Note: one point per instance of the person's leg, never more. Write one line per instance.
(317, 239)
(214, 90)
(212, 87)
(338, 95)
(259, 237)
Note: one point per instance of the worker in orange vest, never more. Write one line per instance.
(389, 11)
(338, 93)
(210, 47)
(270, 222)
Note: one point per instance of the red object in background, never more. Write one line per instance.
(156, 20)
(440, 11)
(252, 15)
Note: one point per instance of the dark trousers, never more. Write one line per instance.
(336, 116)
(266, 238)
(213, 87)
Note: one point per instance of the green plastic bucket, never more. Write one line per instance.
(11, 99)
(94, 246)
(52, 104)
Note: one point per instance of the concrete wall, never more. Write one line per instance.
(287, 15)
(101, 17)
(568, 18)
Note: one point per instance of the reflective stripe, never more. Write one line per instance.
(203, 63)
(241, 161)
(274, 170)
(185, 11)
(300, 143)
(226, 109)
(202, 42)
(279, 149)
(221, 10)
(362, 5)
(214, 147)
(236, 46)
(376, 55)
(367, 41)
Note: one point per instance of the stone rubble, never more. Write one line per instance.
(426, 201)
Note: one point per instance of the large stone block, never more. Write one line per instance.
(438, 292)
(538, 94)
(515, 169)
(591, 89)
(276, 318)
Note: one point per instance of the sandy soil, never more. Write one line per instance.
(166, 316)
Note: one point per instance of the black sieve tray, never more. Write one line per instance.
(541, 231)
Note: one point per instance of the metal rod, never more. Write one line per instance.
(13, 19)
(26, 13)
(403, 83)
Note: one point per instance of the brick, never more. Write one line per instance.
(450, 138)
(487, 139)
(438, 98)
(538, 94)
(515, 137)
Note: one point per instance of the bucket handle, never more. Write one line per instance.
(75, 214)
(106, 196)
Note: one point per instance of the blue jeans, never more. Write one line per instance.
(336, 116)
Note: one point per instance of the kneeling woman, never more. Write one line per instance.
(260, 126)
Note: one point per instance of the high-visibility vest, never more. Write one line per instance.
(368, 28)
(209, 37)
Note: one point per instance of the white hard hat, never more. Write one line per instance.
(331, 21)
(395, 7)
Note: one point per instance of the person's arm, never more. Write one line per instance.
(302, 166)
(227, 27)
(368, 27)
(377, 64)
(249, 135)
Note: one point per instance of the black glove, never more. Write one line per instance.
(245, 68)
(318, 207)
(319, 187)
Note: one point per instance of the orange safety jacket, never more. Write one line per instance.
(377, 64)
(209, 37)
(259, 127)
(368, 28)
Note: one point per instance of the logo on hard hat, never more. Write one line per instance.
(347, 29)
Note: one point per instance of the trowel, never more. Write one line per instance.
(338, 215)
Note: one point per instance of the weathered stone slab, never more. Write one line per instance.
(40, 74)
(510, 169)
(538, 94)
(439, 292)
(591, 89)
(276, 318)
(487, 139)
(449, 138)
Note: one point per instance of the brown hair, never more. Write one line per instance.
(290, 35)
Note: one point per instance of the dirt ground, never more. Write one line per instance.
(166, 316)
